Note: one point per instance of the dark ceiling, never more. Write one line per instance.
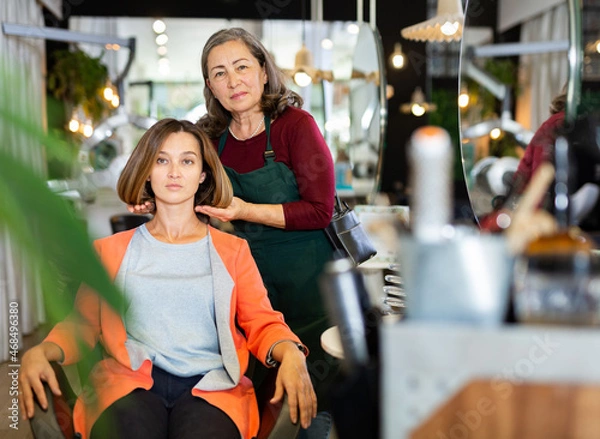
(234, 9)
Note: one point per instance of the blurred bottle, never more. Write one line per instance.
(347, 300)
(430, 154)
(555, 276)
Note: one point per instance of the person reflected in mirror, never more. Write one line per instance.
(541, 147)
(195, 307)
(283, 181)
(539, 150)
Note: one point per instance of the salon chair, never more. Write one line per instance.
(56, 421)
(126, 221)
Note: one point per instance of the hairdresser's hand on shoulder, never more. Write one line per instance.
(35, 370)
(234, 211)
(142, 209)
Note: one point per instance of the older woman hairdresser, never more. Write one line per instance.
(175, 358)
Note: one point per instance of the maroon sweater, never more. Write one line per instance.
(299, 144)
(541, 147)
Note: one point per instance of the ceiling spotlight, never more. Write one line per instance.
(161, 39)
(161, 50)
(159, 26)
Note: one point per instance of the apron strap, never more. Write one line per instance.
(269, 153)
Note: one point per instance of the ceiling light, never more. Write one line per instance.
(417, 105)
(73, 125)
(447, 25)
(353, 29)
(87, 130)
(304, 73)
(161, 50)
(495, 133)
(161, 39)
(159, 26)
(463, 98)
(326, 44)
(302, 79)
(108, 93)
(397, 57)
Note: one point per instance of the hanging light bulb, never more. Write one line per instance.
(397, 57)
(417, 105)
(303, 63)
(304, 72)
(302, 79)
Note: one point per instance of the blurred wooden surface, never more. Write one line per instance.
(498, 409)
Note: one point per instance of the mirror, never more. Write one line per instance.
(368, 108)
(510, 86)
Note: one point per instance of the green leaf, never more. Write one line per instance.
(46, 228)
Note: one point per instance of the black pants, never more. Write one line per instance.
(167, 410)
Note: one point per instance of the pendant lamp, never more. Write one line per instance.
(447, 25)
(417, 105)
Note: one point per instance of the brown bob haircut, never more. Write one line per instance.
(133, 186)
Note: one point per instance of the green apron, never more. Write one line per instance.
(290, 261)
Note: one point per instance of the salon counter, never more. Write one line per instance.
(446, 381)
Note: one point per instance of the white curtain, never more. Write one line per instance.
(542, 76)
(22, 87)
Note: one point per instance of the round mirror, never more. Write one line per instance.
(368, 111)
(507, 88)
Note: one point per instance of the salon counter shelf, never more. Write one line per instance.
(447, 381)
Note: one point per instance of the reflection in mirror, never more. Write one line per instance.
(510, 87)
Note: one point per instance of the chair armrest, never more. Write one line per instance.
(44, 424)
(275, 422)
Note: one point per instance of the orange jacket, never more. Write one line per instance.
(112, 378)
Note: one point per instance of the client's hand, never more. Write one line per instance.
(36, 368)
(293, 379)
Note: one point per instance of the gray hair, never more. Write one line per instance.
(276, 96)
